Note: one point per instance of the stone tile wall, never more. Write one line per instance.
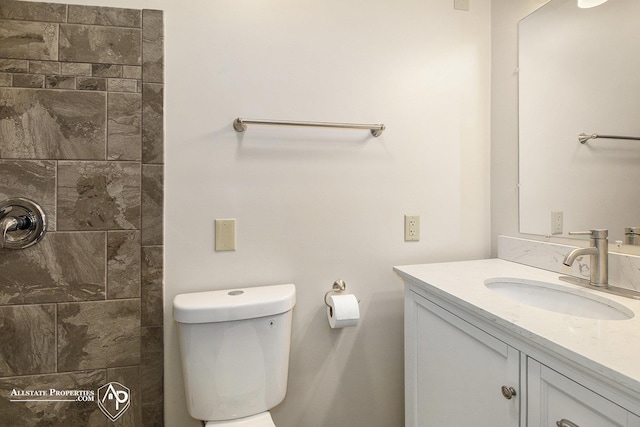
(81, 133)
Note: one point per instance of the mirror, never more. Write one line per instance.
(579, 73)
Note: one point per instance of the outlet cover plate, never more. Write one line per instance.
(556, 222)
(411, 228)
(225, 234)
(461, 4)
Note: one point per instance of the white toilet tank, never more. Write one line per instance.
(234, 346)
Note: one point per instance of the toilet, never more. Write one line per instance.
(234, 346)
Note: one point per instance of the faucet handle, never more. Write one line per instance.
(595, 233)
(580, 233)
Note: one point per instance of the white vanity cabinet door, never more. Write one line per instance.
(633, 420)
(454, 371)
(553, 397)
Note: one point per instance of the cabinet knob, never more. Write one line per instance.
(566, 423)
(508, 392)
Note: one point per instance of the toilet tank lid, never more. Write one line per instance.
(233, 304)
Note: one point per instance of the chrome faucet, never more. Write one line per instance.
(12, 223)
(7, 224)
(22, 223)
(598, 251)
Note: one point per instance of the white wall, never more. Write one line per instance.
(316, 205)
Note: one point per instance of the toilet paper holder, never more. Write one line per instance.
(339, 286)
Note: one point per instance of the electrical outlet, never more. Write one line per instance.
(556, 222)
(411, 228)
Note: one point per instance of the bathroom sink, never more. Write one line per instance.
(557, 298)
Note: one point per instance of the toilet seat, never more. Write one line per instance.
(262, 419)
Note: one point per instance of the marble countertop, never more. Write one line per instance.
(610, 348)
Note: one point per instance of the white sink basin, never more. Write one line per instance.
(557, 298)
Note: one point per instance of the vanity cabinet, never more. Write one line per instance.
(455, 372)
(458, 366)
(553, 398)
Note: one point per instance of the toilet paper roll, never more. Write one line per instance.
(343, 310)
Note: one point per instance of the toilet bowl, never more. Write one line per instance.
(261, 420)
(234, 347)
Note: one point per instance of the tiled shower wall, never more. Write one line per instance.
(81, 133)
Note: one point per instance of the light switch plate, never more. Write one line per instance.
(225, 234)
(461, 4)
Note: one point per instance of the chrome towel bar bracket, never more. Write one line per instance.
(240, 125)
